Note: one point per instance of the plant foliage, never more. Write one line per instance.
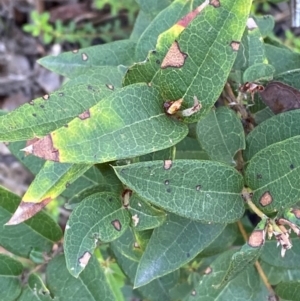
(176, 152)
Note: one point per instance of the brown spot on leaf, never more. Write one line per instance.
(84, 115)
(186, 20)
(84, 259)
(116, 224)
(235, 45)
(215, 3)
(208, 270)
(174, 58)
(43, 148)
(280, 97)
(296, 212)
(126, 194)
(251, 24)
(110, 87)
(26, 210)
(46, 96)
(256, 239)
(84, 56)
(168, 164)
(266, 199)
(171, 107)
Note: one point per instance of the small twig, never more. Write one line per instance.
(259, 269)
(252, 206)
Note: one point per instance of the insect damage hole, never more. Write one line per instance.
(84, 56)
(235, 45)
(84, 259)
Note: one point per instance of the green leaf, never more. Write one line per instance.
(153, 8)
(91, 285)
(288, 290)
(77, 61)
(36, 290)
(97, 179)
(271, 255)
(97, 75)
(273, 175)
(208, 56)
(222, 242)
(37, 119)
(248, 253)
(221, 135)
(275, 129)
(282, 59)
(276, 275)
(202, 190)
(144, 216)
(10, 273)
(52, 180)
(163, 21)
(100, 217)
(201, 63)
(262, 116)
(265, 24)
(246, 287)
(172, 245)
(252, 49)
(112, 131)
(258, 72)
(126, 247)
(39, 232)
(290, 77)
(159, 289)
(141, 23)
(189, 148)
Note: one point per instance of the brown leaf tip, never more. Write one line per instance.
(168, 164)
(27, 210)
(256, 239)
(43, 148)
(116, 224)
(84, 115)
(84, 56)
(296, 212)
(235, 45)
(215, 3)
(174, 58)
(84, 259)
(251, 24)
(186, 20)
(266, 199)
